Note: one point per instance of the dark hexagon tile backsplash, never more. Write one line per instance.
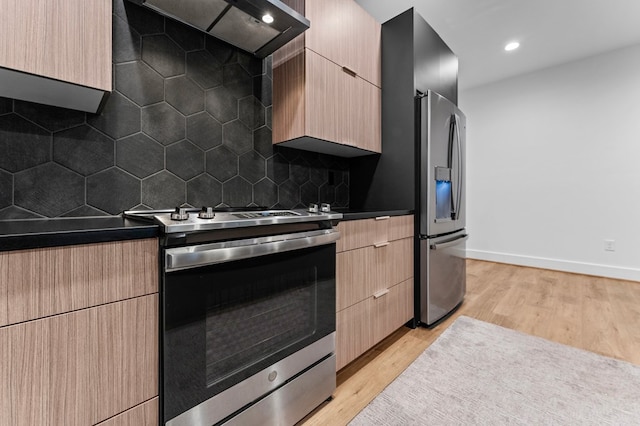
(188, 123)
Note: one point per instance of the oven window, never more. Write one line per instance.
(224, 323)
(247, 323)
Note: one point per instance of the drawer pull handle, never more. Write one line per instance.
(380, 293)
(378, 245)
(349, 71)
(382, 217)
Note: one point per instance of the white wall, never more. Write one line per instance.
(553, 167)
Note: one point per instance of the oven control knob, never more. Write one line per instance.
(180, 214)
(325, 207)
(206, 213)
(313, 208)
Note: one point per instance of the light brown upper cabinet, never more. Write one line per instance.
(326, 82)
(56, 52)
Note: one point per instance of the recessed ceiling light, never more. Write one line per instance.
(512, 46)
(267, 19)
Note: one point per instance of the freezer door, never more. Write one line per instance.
(442, 275)
(442, 139)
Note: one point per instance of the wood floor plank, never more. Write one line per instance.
(597, 314)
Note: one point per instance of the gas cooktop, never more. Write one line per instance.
(183, 219)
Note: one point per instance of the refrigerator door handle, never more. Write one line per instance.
(450, 243)
(456, 210)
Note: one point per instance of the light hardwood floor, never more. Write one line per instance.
(597, 314)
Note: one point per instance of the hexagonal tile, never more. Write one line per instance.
(204, 190)
(126, 41)
(277, 169)
(269, 120)
(263, 89)
(113, 191)
(6, 105)
(204, 130)
(185, 160)
(237, 80)
(13, 212)
(327, 193)
(237, 192)
(204, 69)
(143, 20)
(309, 193)
(163, 55)
(163, 191)
(265, 193)
(163, 123)
(84, 211)
(299, 171)
(184, 95)
(49, 190)
(252, 166)
(119, 118)
(138, 82)
(237, 137)
(342, 195)
(139, 155)
(262, 141)
(223, 52)
(50, 117)
(221, 104)
(318, 175)
(6, 189)
(251, 112)
(289, 194)
(83, 149)
(254, 66)
(221, 163)
(187, 37)
(22, 144)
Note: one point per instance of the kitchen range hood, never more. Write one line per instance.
(257, 26)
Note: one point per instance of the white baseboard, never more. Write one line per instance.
(558, 265)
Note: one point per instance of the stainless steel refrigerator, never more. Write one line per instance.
(441, 200)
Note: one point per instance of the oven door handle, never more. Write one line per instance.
(210, 254)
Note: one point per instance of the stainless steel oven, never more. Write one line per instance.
(248, 316)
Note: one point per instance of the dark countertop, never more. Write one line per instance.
(39, 233)
(354, 214)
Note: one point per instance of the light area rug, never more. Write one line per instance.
(481, 373)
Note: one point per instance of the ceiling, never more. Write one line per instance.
(550, 32)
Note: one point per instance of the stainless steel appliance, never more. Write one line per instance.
(258, 26)
(248, 314)
(442, 234)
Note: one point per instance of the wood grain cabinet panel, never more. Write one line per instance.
(42, 282)
(374, 282)
(56, 52)
(143, 415)
(82, 367)
(326, 82)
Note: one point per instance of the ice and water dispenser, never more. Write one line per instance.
(444, 202)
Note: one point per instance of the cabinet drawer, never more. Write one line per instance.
(82, 367)
(365, 271)
(354, 334)
(364, 324)
(391, 310)
(368, 232)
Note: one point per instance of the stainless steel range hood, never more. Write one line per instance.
(242, 23)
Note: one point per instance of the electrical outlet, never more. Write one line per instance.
(610, 245)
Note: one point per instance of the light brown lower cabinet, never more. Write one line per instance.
(91, 364)
(374, 282)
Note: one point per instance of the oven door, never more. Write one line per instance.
(234, 309)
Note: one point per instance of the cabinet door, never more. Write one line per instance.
(354, 334)
(82, 367)
(391, 309)
(343, 32)
(66, 40)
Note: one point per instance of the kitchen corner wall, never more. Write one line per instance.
(188, 122)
